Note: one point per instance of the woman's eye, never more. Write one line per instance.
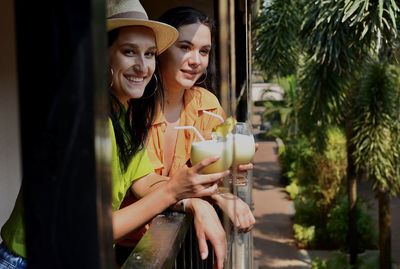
(129, 52)
(185, 48)
(150, 54)
(205, 52)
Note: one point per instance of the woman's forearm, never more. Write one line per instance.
(139, 213)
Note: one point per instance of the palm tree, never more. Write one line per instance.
(376, 122)
(338, 38)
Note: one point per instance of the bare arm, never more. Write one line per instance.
(208, 227)
(139, 213)
(237, 210)
(158, 193)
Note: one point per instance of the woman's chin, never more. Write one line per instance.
(187, 83)
(135, 94)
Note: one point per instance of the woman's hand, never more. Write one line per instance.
(208, 227)
(188, 182)
(239, 213)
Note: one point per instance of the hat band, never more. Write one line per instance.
(130, 15)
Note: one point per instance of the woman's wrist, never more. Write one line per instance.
(193, 205)
(180, 206)
(216, 199)
(171, 193)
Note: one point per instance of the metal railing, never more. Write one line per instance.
(171, 243)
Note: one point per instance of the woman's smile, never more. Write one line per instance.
(135, 80)
(190, 74)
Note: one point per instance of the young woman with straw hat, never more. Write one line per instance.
(134, 43)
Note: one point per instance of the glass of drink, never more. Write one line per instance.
(244, 149)
(219, 146)
(244, 143)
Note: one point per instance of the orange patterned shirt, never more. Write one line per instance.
(195, 101)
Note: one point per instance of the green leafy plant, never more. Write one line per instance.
(336, 261)
(292, 189)
(282, 114)
(304, 236)
(295, 159)
(340, 260)
(337, 226)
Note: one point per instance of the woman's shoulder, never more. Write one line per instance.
(204, 96)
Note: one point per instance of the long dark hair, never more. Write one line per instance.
(131, 125)
(183, 15)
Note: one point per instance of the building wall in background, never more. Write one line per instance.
(155, 8)
(10, 164)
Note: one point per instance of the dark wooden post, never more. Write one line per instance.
(61, 51)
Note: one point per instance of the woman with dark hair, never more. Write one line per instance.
(134, 44)
(184, 69)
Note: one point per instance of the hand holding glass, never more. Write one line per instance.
(244, 144)
(216, 147)
(223, 147)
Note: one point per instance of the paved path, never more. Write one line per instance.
(273, 238)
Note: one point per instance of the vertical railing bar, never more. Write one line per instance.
(191, 246)
(183, 252)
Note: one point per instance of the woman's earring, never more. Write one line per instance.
(155, 88)
(204, 79)
(112, 77)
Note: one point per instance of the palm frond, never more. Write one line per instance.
(375, 21)
(276, 39)
(376, 117)
(322, 98)
(328, 38)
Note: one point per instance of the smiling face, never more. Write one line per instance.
(186, 60)
(132, 60)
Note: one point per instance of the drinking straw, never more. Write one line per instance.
(214, 115)
(192, 128)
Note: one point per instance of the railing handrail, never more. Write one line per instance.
(161, 244)
(171, 242)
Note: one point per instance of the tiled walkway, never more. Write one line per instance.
(273, 239)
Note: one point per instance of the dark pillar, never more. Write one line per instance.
(61, 51)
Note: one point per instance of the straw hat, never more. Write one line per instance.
(122, 13)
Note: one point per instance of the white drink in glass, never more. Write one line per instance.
(209, 148)
(244, 148)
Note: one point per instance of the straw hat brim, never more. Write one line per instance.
(165, 34)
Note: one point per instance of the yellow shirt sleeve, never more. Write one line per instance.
(139, 166)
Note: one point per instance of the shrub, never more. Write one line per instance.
(292, 189)
(337, 226)
(340, 260)
(296, 158)
(336, 261)
(304, 235)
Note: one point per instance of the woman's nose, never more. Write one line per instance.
(194, 58)
(139, 65)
